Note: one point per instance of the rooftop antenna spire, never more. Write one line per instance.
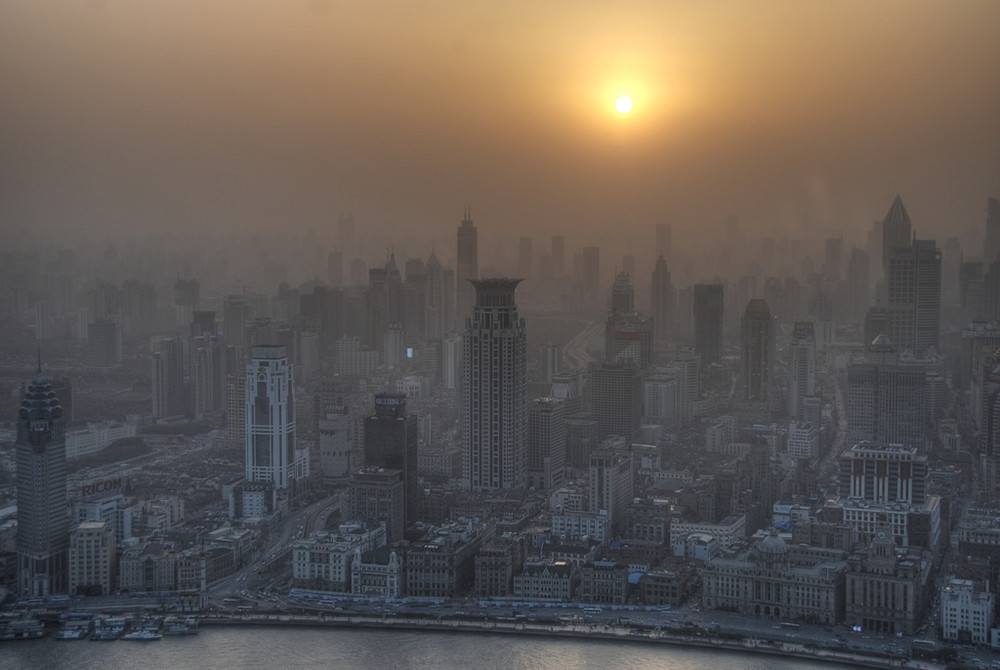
(39, 359)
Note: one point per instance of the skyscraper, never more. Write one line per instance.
(546, 443)
(896, 231)
(616, 399)
(167, 377)
(914, 285)
(664, 241)
(885, 398)
(468, 265)
(494, 411)
(991, 249)
(662, 295)
(757, 343)
(708, 311)
(271, 454)
(391, 442)
(801, 368)
(42, 512)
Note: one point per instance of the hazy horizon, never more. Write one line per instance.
(190, 117)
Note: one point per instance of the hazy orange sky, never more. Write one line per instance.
(200, 114)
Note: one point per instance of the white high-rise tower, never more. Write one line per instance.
(271, 456)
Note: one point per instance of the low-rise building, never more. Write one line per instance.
(546, 581)
(91, 559)
(322, 562)
(772, 580)
(967, 612)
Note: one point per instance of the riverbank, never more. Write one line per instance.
(574, 630)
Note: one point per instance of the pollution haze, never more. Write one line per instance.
(231, 118)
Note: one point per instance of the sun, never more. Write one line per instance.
(623, 105)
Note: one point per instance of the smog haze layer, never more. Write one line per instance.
(249, 117)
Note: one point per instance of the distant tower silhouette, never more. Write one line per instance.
(757, 341)
(494, 400)
(468, 265)
(708, 311)
(663, 300)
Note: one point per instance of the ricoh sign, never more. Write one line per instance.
(104, 487)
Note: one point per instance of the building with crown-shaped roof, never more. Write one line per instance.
(42, 510)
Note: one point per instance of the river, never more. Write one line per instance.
(226, 648)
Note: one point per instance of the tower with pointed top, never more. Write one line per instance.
(42, 512)
(494, 390)
(468, 265)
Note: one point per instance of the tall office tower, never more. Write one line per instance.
(858, 284)
(237, 312)
(661, 399)
(989, 423)
(414, 298)
(42, 510)
(757, 340)
(494, 402)
(104, 345)
(610, 486)
(687, 364)
(551, 361)
(335, 268)
(833, 258)
(91, 559)
(884, 473)
(708, 310)
(876, 323)
(203, 323)
(971, 290)
(664, 240)
(801, 368)
(524, 257)
(435, 304)
(627, 336)
(546, 463)
(468, 266)
(187, 295)
(335, 444)
(622, 295)
(616, 399)
(885, 399)
(391, 442)
(376, 308)
(209, 374)
(558, 256)
(896, 232)
(662, 294)
(271, 453)
(914, 286)
(991, 248)
(169, 398)
(393, 295)
(591, 276)
(452, 350)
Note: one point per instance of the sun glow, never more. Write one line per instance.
(623, 105)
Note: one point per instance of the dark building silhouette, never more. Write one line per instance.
(391, 443)
(42, 512)
(468, 265)
(708, 311)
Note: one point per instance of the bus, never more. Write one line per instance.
(592, 610)
(924, 644)
(788, 625)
